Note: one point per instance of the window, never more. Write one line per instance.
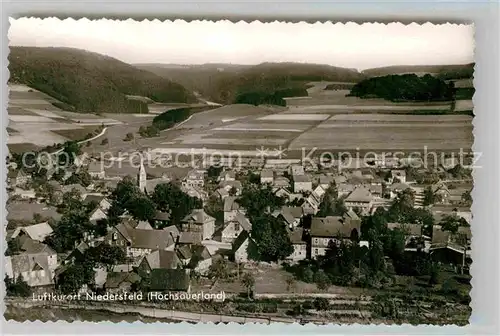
(236, 227)
(115, 236)
(315, 251)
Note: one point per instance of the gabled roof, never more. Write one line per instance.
(266, 173)
(242, 237)
(360, 194)
(169, 279)
(93, 198)
(36, 232)
(190, 238)
(333, 226)
(115, 279)
(222, 192)
(244, 222)
(162, 259)
(144, 225)
(301, 178)
(296, 236)
(162, 216)
(200, 252)
(31, 246)
(184, 252)
(146, 239)
(231, 203)
(173, 230)
(399, 186)
(198, 216)
(232, 184)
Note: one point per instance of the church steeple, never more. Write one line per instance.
(141, 176)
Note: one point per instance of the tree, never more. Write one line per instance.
(248, 281)
(170, 198)
(321, 303)
(129, 137)
(219, 269)
(435, 270)
(74, 277)
(290, 283)
(233, 191)
(13, 247)
(450, 223)
(142, 208)
(467, 198)
(271, 237)
(104, 141)
(18, 287)
(258, 200)
(105, 255)
(215, 208)
(429, 197)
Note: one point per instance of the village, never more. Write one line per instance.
(209, 231)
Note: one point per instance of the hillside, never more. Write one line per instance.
(90, 82)
(227, 83)
(456, 71)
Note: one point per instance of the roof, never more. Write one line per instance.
(439, 236)
(190, 238)
(115, 279)
(169, 279)
(198, 216)
(26, 262)
(333, 226)
(281, 181)
(244, 222)
(297, 170)
(93, 198)
(146, 239)
(232, 184)
(144, 225)
(222, 192)
(325, 179)
(345, 187)
(162, 216)
(228, 174)
(399, 186)
(408, 229)
(36, 232)
(172, 229)
(195, 175)
(375, 189)
(242, 237)
(360, 194)
(201, 252)
(266, 173)
(162, 259)
(301, 178)
(31, 246)
(185, 252)
(231, 203)
(296, 236)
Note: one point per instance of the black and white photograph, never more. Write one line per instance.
(248, 172)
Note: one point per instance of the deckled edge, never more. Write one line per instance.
(356, 21)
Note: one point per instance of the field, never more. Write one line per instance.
(327, 119)
(34, 122)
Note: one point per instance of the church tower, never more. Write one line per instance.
(141, 176)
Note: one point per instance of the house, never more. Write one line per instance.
(36, 264)
(397, 175)
(241, 247)
(229, 186)
(144, 225)
(96, 170)
(121, 282)
(376, 190)
(291, 215)
(195, 191)
(231, 208)
(311, 204)
(169, 280)
(412, 233)
(100, 200)
(201, 259)
(36, 232)
(199, 221)
(441, 191)
(161, 218)
(184, 254)
(281, 182)
(451, 248)
(326, 180)
(222, 193)
(18, 178)
(266, 176)
(333, 229)
(194, 178)
(159, 259)
(298, 243)
(360, 198)
(302, 183)
(233, 228)
(227, 175)
(189, 238)
(397, 188)
(296, 170)
(77, 254)
(25, 194)
(318, 192)
(139, 242)
(97, 214)
(345, 189)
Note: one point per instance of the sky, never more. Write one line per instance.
(347, 45)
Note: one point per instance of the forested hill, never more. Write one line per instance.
(456, 71)
(265, 82)
(89, 82)
(405, 88)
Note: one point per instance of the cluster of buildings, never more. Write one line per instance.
(167, 256)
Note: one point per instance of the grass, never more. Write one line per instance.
(78, 133)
